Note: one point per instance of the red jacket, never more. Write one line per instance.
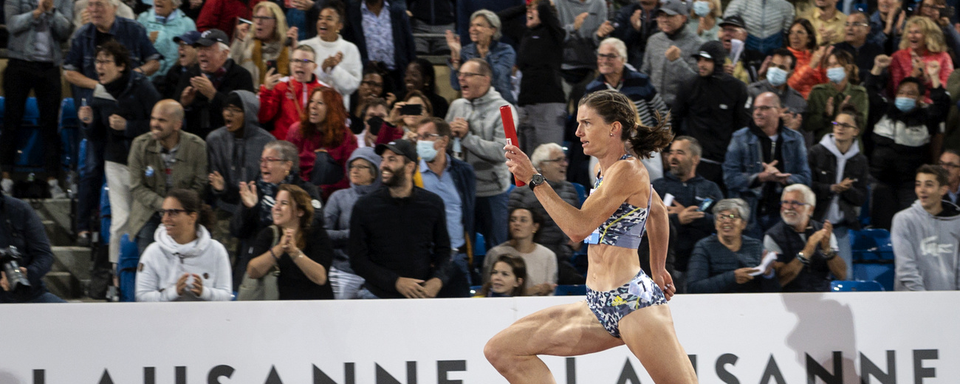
(223, 14)
(901, 65)
(308, 156)
(279, 105)
(805, 78)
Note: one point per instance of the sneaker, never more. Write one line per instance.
(84, 238)
(7, 185)
(55, 191)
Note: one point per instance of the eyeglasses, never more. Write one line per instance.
(103, 62)
(171, 212)
(727, 217)
(372, 84)
(300, 61)
(608, 56)
(428, 136)
(856, 24)
(948, 165)
(764, 107)
(360, 166)
(264, 18)
(557, 160)
(467, 75)
(784, 203)
(844, 125)
(269, 160)
(233, 110)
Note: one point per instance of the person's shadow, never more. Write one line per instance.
(824, 326)
(9, 378)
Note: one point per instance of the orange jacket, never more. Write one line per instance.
(804, 78)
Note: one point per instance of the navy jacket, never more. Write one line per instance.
(692, 192)
(466, 181)
(712, 265)
(21, 227)
(404, 49)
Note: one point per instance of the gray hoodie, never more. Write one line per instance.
(925, 247)
(237, 159)
(336, 214)
(483, 145)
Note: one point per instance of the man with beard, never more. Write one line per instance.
(398, 235)
(692, 196)
(160, 160)
(711, 107)
(806, 249)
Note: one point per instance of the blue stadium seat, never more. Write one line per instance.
(69, 133)
(581, 192)
(865, 209)
(479, 246)
(871, 244)
(571, 290)
(31, 114)
(882, 273)
(855, 286)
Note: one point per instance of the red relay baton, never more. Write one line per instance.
(506, 115)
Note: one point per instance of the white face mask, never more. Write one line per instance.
(776, 76)
(701, 8)
(426, 151)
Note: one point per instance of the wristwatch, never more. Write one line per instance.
(536, 180)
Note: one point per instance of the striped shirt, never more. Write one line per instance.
(763, 18)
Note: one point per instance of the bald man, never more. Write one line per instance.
(160, 160)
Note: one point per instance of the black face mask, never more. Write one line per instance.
(375, 123)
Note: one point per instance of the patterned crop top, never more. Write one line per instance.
(626, 226)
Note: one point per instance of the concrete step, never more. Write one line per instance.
(59, 236)
(64, 285)
(74, 260)
(57, 210)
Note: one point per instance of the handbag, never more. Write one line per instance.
(264, 288)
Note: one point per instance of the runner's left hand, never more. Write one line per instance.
(665, 282)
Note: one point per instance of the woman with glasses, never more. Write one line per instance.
(283, 102)
(364, 168)
(840, 177)
(184, 263)
(265, 41)
(485, 44)
(300, 251)
(726, 262)
(826, 100)
(802, 43)
(323, 140)
(338, 61)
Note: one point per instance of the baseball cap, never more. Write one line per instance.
(712, 50)
(211, 37)
(189, 38)
(401, 147)
(735, 21)
(673, 7)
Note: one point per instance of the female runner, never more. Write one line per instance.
(624, 305)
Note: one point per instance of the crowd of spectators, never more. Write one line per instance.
(323, 144)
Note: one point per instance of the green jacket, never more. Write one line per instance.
(147, 181)
(820, 124)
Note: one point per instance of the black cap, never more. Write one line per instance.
(189, 38)
(734, 21)
(673, 7)
(211, 37)
(712, 50)
(400, 147)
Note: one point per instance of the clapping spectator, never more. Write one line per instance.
(303, 253)
(507, 278)
(586, 24)
(164, 22)
(420, 76)
(726, 261)
(828, 21)
(541, 101)
(886, 24)
(802, 42)
(634, 24)
(364, 165)
(826, 100)
(323, 134)
(185, 59)
(337, 61)
(185, 263)
(485, 45)
(922, 43)
(541, 262)
(855, 40)
(666, 47)
(283, 100)
(223, 14)
(703, 22)
(382, 34)
(840, 178)
(263, 43)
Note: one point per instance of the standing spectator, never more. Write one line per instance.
(323, 129)
(23, 229)
(635, 23)
(81, 14)
(923, 43)
(826, 100)
(264, 42)
(364, 176)
(337, 61)
(840, 178)
(585, 22)
(766, 20)
(886, 24)
(507, 278)
(223, 14)
(284, 98)
(190, 8)
(703, 19)
(204, 87)
(118, 114)
(806, 249)
(855, 33)
(455, 182)
(382, 33)
(690, 211)
(903, 133)
(664, 48)
(541, 102)
(926, 237)
(185, 263)
(780, 67)
(484, 36)
(164, 22)
(465, 9)
(726, 262)
(828, 21)
(761, 159)
(398, 235)
(802, 42)
(711, 107)
(186, 57)
(433, 17)
(950, 161)
(420, 76)
(524, 243)
(749, 63)
(303, 254)
(161, 160)
(37, 29)
(550, 160)
(478, 139)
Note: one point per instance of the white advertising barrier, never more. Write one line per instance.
(887, 338)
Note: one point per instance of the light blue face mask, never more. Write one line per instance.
(701, 8)
(776, 76)
(905, 104)
(426, 151)
(836, 74)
